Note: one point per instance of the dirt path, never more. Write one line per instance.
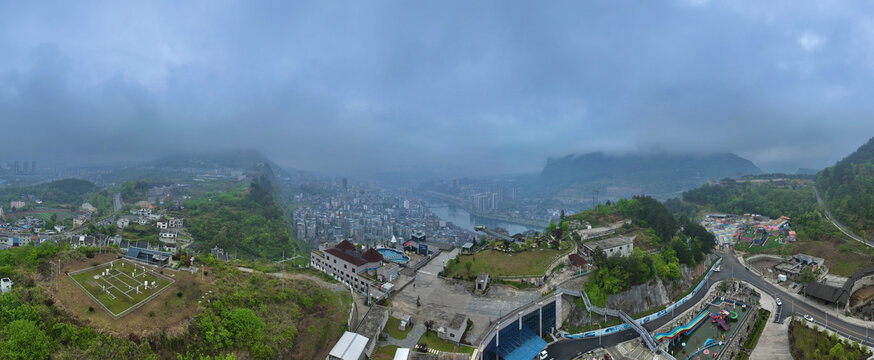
(294, 276)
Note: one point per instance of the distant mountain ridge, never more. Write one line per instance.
(654, 174)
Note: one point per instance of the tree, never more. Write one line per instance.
(24, 340)
(837, 352)
(468, 265)
(429, 324)
(551, 228)
(247, 328)
(807, 276)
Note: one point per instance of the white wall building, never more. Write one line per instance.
(620, 245)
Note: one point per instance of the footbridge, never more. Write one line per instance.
(493, 233)
(650, 341)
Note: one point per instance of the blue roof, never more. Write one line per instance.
(522, 345)
(135, 252)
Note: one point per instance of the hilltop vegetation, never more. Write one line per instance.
(848, 188)
(245, 220)
(247, 315)
(668, 244)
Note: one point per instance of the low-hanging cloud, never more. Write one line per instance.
(450, 88)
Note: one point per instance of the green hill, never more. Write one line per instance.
(246, 220)
(662, 243)
(848, 189)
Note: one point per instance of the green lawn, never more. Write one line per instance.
(392, 328)
(496, 263)
(120, 297)
(385, 353)
(437, 343)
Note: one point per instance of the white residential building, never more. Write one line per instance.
(345, 262)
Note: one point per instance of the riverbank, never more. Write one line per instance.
(460, 204)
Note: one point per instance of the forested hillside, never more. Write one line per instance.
(245, 220)
(848, 188)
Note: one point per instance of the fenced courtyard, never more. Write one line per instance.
(120, 286)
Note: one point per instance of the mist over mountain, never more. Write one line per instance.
(623, 175)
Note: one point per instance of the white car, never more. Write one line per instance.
(779, 303)
(543, 355)
(808, 318)
(716, 269)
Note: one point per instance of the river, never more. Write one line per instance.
(464, 220)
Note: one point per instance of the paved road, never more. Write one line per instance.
(731, 268)
(837, 223)
(117, 201)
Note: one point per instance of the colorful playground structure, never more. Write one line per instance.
(707, 340)
(754, 229)
(719, 318)
(684, 330)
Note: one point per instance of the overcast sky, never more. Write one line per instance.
(456, 88)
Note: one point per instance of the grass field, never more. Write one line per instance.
(392, 328)
(496, 263)
(430, 338)
(119, 285)
(385, 353)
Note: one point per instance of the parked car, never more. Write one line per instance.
(779, 303)
(808, 317)
(543, 355)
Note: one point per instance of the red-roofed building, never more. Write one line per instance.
(346, 263)
(578, 261)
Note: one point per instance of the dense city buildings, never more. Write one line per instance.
(366, 215)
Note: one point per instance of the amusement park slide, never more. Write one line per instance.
(688, 328)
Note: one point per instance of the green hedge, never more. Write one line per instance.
(761, 320)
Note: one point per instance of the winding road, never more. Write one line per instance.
(837, 223)
(731, 269)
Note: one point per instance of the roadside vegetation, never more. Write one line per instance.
(811, 343)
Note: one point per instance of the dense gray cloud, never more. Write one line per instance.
(453, 88)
